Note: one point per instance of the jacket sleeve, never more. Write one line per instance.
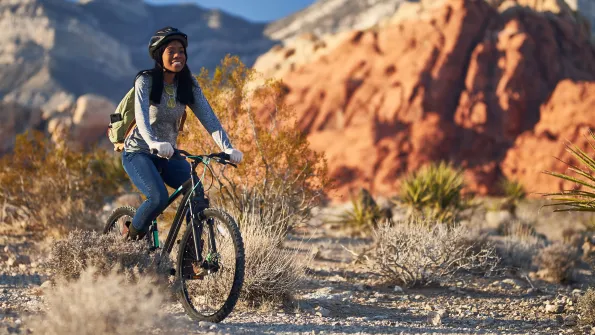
(203, 111)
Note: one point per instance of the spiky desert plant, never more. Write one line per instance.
(582, 198)
(513, 189)
(363, 215)
(514, 193)
(434, 192)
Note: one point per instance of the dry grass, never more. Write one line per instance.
(417, 253)
(557, 262)
(272, 273)
(518, 247)
(51, 188)
(586, 308)
(70, 257)
(99, 305)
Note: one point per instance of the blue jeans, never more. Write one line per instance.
(143, 170)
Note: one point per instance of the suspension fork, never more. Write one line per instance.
(210, 226)
(197, 203)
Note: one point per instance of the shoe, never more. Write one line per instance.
(134, 234)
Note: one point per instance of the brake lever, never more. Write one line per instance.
(226, 162)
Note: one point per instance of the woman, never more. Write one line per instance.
(161, 96)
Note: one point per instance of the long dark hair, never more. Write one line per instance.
(184, 78)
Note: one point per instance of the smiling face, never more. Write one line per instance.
(174, 57)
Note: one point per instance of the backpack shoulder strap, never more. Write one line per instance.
(183, 120)
(131, 99)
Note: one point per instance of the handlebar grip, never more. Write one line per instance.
(154, 151)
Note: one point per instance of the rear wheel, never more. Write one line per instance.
(119, 220)
(210, 288)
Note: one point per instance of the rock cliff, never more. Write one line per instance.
(470, 82)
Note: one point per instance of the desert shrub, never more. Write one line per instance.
(363, 215)
(581, 198)
(434, 192)
(513, 189)
(514, 193)
(49, 186)
(557, 262)
(518, 247)
(272, 274)
(516, 227)
(101, 304)
(586, 308)
(413, 253)
(70, 257)
(279, 170)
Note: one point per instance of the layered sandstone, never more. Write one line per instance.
(468, 83)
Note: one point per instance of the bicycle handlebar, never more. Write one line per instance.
(223, 158)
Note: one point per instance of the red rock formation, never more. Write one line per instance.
(567, 116)
(465, 85)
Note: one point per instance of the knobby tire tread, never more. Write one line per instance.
(238, 281)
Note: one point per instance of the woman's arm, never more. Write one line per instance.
(142, 89)
(203, 111)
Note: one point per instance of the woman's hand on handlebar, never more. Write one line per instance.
(235, 156)
(162, 149)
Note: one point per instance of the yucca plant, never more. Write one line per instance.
(513, 189)
(514, 192)
(434, 192)
(581, 198)
(363, 215)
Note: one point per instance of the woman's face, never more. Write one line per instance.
(174, 58)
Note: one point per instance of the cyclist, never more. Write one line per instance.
(161, 97)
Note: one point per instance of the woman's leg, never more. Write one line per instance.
(176, 172)
(141, 169)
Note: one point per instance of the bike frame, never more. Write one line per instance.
(193, 204)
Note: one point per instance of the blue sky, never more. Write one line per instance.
(253, 10)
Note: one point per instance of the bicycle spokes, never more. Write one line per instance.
(209, 275)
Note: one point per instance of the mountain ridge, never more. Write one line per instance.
(47, 41)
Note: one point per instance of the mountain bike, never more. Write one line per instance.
(212, 238)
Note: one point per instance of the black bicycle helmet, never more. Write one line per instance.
(166, 35)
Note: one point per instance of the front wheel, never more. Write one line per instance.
(211, 280)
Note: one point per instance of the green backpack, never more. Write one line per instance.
(122, 121)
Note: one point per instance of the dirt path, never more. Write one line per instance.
(337, 297)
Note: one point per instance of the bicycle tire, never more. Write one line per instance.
(116, 214)
(238, 277)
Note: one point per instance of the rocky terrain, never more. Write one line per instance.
(332, 16)
(495, 88)
(340, 296)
